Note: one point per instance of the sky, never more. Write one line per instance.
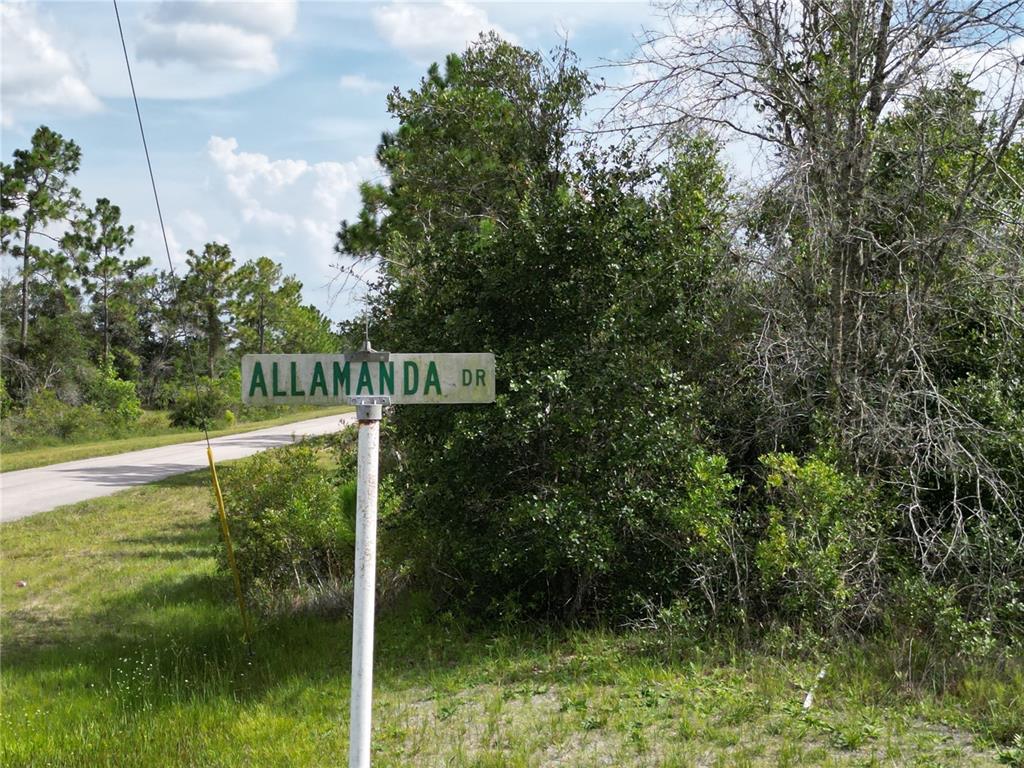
(262, 118)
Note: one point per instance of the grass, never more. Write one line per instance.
(123, 649)
(156, 432)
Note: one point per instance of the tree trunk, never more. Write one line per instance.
(24, 291)
(261, 325)
(211, 341)
(106, 324)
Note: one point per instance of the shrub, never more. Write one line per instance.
(196, 410)
(292, 521)
(6, 401)
(598, 504)
(816, 549)
(46, 415)
(115, 398)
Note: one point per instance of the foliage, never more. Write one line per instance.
(203, 296)
(200, 406)
(6, 402)
(306, 328)
(98, 242)
(1013, 755)
(92, 322)
(36, 193)
(794, 403)
(820, 541)
(262, 297)
(289, 523)
(45, 414)
(115, 397)
(293, 520)
(145, 646)
(880, 283)
(591, 290)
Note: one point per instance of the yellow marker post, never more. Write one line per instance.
(227, 544)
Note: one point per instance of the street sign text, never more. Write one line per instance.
(408, 379)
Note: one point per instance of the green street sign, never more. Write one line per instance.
(407, 379)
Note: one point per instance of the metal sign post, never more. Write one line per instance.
(368, 413)
(369, 410)
(369, 380)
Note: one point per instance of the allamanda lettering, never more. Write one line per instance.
(341, 381)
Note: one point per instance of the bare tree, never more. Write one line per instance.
(886, 236)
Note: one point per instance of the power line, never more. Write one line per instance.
(188, 348)
(145, 146)
(159, 213)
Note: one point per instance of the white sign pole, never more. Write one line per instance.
(369, 380)
(368, 413)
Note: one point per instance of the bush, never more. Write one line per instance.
(196, 410)
(293, 521)
(816, 551)
(579, 493)
(47, 416)
(6, 401)
(115, 398)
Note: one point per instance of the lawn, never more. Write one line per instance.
(123, 649)
(155, 433)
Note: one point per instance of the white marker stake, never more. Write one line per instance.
(368, 412)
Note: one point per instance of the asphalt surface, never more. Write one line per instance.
(30, 491)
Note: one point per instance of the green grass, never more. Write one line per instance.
(156, 432)
(123, 649)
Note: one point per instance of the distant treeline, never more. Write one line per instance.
(87, 314)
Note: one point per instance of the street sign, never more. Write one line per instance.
(369, 380)
(423, 378)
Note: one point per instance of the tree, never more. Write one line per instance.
(586, 273)
(882, 241)
(262, 302)
(36, 194)
(306, 329)
(813, 82)
(467, 149)
(99, 242)
(204, 295)
(159, 323)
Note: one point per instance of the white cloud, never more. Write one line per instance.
(361, 83)
(149, 240)
(217, 35)
(301, 201)
(36, 72)
(431, 31)
(196, 230)
(268, 17)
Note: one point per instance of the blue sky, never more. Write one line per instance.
(262, 118)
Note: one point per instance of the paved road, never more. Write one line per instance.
(30, 491)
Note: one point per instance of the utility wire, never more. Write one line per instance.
(145, 146)
(188, 347)
(156, 198)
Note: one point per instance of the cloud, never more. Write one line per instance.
(149, 240)
(36, 72)
(425, 32)
(361, 83)
(302, 201)
(292, 208)
(212, 35)
(274, 18)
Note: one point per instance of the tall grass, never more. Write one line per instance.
(124, 649)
